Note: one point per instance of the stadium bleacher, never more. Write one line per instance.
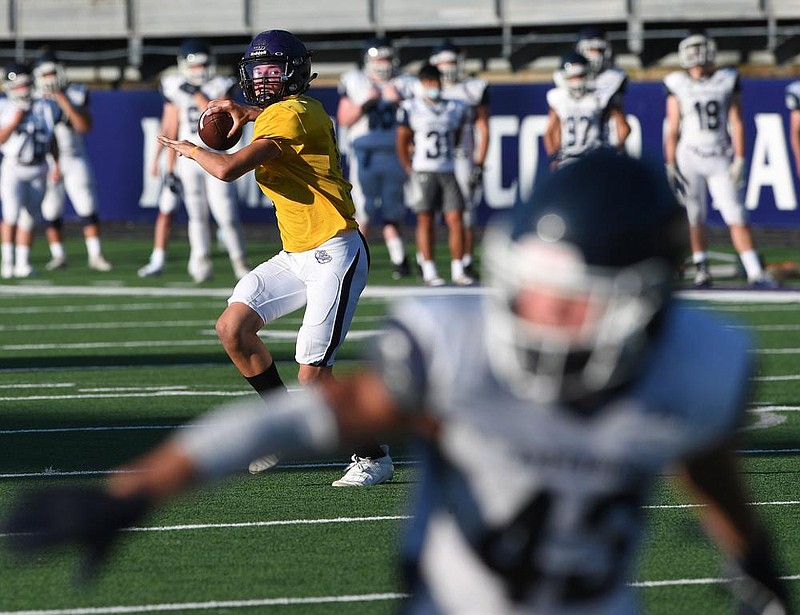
(132, 40)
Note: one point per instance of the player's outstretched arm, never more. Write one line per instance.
(227, 167)
(714, 477)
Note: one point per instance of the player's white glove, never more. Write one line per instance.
(736, 173)
(676, 181)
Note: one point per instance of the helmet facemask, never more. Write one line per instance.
(575, 75)
(267, 80)
(18, 87)
(197, 68)
(596, 51)
(49, 77)
(697, 50)
(450, 64)
(564, 329)
(380, 63)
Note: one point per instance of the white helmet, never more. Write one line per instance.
(449, 59)
(697, 50)
(195, 62)
(48, 74)
(18, 85)
(380, 60)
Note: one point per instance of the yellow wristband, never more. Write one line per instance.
(194, 149)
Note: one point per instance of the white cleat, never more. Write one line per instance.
(150, 270)
(435, 281)
(702, 279)
(464, 280)
(99, 263)
(365, 472)
(201, 270)
(24, 271)
(262, 464)
(240, 267)
(57, 262)
(6, 271)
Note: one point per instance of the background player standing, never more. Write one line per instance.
(701, 152)
(367, 116)
(606, 79)
(27, 137)
(579, 114)
(473, 143)
(429, 126)
(185, 97)
(76, 178)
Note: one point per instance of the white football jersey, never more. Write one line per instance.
(474, 92)
(376, 129)
(583, 120)
(435, 126)
(530, 508)
(188, 111)
(611, 84)
(704, 105)
(793, 96)
(70, 141)
(31, 141)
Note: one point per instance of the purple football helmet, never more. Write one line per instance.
(289, 71)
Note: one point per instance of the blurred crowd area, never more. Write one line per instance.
(130, 43)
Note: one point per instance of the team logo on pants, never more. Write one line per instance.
(322, 257)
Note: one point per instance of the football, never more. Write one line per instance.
(213, 129)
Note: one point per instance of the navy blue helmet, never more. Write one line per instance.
(290, 64)
(605, 236)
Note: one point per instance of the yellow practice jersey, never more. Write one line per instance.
(312, 198)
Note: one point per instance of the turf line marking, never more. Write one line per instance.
(678, 506)
(50, 385)
(110, 307)
(706, 581)
(212, 604)
(128, 395)
(7, 432)
(273, 334)
(211, 526)
(80, 326)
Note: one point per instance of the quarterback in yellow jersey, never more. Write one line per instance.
(309, 172)
(324, 262)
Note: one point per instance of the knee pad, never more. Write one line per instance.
(56, 224)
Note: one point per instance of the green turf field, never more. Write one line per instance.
(92, 373)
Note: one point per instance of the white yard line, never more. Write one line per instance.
(109, 307)
(213, 604)
(128, 395)
(79, 326)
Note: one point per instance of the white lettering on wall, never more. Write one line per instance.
(498, 196)
(770, 165)
(151, 185)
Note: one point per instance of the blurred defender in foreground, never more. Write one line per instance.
(546, 410)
